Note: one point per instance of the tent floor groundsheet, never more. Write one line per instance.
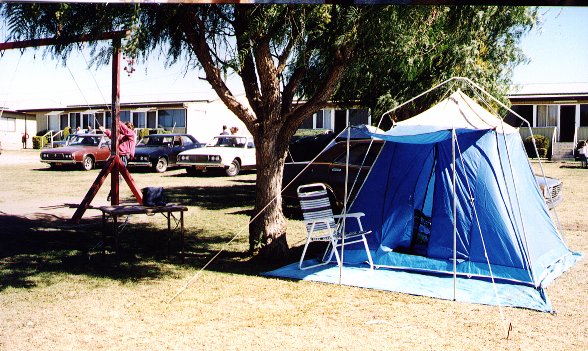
(468, 290)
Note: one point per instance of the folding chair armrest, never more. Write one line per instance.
(356, 215)
(318, 220)
(353, 215)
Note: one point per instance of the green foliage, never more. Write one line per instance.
(374, 55)
(142, 132)
(406, 50)
(541, 142)
(39, 142)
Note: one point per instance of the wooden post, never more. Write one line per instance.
(116, 55)
(114, 165)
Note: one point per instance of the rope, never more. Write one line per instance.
(96, 83)
(11, 82)
(199, 272)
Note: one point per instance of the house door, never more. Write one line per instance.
(567, 123)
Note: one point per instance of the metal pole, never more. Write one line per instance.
(453, 141)
(344, 205)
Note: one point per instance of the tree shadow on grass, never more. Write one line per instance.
(212, 198)
(37, 244)
(35, 248)
(572, 165)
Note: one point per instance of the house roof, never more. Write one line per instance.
(553, 91)
(105, 107)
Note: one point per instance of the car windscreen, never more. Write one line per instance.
(228, 141)
(157, 141)
(359, 155)
(85, 140)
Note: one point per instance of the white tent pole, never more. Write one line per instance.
(418, 96)
(453, 141)
(344, 205)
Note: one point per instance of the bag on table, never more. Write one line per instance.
(153, 196)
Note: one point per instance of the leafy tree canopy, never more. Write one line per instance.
(293, 59)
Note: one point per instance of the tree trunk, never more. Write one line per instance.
(267, 232)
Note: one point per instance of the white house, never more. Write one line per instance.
(13, 125)
(203, 119)
(558, 111)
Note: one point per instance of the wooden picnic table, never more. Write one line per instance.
(170, 212)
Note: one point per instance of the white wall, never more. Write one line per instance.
(12, 140)
(205, 120)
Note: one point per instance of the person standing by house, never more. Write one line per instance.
(25, 137)
(126, 141)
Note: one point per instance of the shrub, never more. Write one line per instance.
(142, 132)
(541, 142)
(39, 142)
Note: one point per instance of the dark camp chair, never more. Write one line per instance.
(322, 225)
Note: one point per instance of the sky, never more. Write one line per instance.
(556, 49)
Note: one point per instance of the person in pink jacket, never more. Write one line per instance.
(126, 141)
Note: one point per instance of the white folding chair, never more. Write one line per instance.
(322, 225)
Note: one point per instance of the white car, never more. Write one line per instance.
(231, 153)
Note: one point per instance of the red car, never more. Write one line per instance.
(85, 150)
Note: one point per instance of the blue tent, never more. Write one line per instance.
(488, 217)
(454, 206)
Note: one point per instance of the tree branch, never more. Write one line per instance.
(196, 39)
(247, 72)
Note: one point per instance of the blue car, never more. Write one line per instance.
(160, 151)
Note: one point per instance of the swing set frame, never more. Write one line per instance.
(113, 166)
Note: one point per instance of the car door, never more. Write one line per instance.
(248, 157)
(178, 145)
(103, 150)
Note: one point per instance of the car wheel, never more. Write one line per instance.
(192, 171)
(233, 169)
(161, 165)
(88, 163)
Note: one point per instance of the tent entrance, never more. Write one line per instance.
(422, 210)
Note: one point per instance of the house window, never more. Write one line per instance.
(151, 119)
(172, 119)
(547, 115)
(308, 123)
(75, 120)
(583, 115)
(358, 117)
(320, 119)
(8, 124)
(64, 120)
(525, 111)
(53, 122)
(88, 121)
(125, 116)
(139, 119)
(105, 119)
